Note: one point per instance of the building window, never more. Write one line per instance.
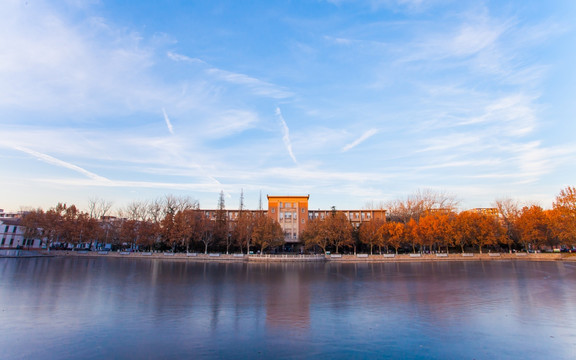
(280, 206)
(14, 229)
(272, 210)
(3, 241)
(11, 241)
(302, 221)
(302, 210)
(6, 229)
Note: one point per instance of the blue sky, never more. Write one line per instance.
(349, 101)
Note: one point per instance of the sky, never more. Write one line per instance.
(352, 102)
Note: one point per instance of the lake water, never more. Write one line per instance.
(128, 308)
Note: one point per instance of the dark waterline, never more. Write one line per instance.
(126, 308)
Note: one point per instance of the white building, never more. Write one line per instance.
(12, 235)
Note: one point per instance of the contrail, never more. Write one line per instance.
(286, 137)
(168, 123)
(52, 160)
(360, 140)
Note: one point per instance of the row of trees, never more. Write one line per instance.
(425, 221)
(429, 222)
(169, 223)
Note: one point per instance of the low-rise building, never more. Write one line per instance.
(12, 235)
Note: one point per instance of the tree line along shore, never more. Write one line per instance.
(420, 224)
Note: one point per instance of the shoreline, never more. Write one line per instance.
(333, 258)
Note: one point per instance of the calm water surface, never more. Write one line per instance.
(127, 308)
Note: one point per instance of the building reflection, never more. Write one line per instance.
(288, 301)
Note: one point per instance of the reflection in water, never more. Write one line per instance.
(94, 308)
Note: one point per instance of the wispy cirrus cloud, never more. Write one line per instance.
(257, 86)
(368, 134)
(168, 122)
(54, 161)
(286, 135)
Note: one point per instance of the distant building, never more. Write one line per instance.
(486, 211)
(12, 235)
(11, 215)
(291, 212)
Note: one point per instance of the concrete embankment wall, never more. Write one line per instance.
(17, 253)
(155, 255)
(193, 256)
(217, 257)
(453, 257)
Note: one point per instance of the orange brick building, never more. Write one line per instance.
(292, 213)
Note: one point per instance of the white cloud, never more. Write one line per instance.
(368, 134)
(168, 122)
(286, 135)
(53, 161)
(258, 87)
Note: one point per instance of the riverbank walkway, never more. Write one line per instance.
(348, 258)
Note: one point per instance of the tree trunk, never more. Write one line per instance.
(205, 248)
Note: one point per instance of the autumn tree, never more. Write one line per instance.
(396, 233)
(148, 233)
(53, 224)
(368, 233)
(411, 232)
(564, 216)
(419, 204)
(33, 222)
(315, 234)
(128, 232)
(98, 208)
(267, 233)
(509, 211)
(168, 230)
(78, 227)
(187, 227)
(338, 229)
(477, 229)
(221, 231)
(391, 234)
(533, 226)
(436, 229)
(242, 232)
(206, 229)
(463, 229)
